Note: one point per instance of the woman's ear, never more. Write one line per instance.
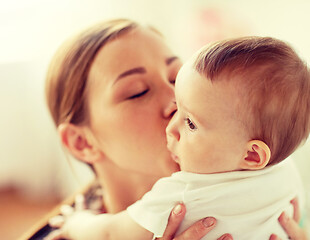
(75, 140)
(257, 155)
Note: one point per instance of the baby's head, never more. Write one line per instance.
(255, 88)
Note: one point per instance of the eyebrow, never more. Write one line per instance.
(142, 70)
(137, 70)
(171, 59)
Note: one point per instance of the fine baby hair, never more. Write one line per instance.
(273, 85)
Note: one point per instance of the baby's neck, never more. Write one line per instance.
(122, 188)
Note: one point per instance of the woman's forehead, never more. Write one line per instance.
(134, 49)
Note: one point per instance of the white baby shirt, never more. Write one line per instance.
(246, 204)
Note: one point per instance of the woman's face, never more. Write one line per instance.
(131, 100)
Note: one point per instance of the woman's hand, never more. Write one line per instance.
(290, 225)
(195, 232)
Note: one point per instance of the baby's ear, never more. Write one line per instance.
(256, 157)
(75, 139)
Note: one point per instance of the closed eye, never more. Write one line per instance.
(172, 81)
(138, 94)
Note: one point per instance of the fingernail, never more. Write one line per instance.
(208, 222)
(283, 217)
(177, 210)
(227, 238)
(272, 237)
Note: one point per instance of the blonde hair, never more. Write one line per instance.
(67, 76)
(274, 83)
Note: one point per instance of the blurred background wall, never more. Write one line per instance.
(31, 159)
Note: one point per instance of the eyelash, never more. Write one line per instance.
(190, 124)
(139, 94)
(172, 81)
(145, 91)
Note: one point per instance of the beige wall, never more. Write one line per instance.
(32, 30)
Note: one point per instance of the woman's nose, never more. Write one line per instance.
(170, 106)
(172, 130)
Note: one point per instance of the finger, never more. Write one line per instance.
(290, 227)
(198, 230)
(56, 221)
(80, 203)
(174, 221)
(295, 204)
(66, 210)
(55, 235)
(226, 236)
(274, 237)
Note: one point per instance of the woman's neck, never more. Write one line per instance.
(121, 188)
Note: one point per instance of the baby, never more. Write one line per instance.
(243, 107)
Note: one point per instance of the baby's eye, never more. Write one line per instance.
(140, 94)
(190, 124)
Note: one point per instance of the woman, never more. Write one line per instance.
(111, 95)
